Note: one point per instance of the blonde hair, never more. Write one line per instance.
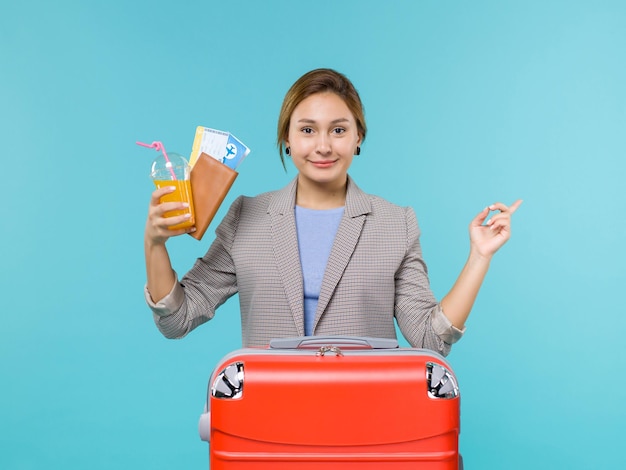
(319, 81)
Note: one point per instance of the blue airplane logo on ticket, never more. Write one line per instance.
(231, 149)
(236, 151)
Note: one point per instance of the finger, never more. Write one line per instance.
(166, 207)
(480, 217)
(501, 221)
(175, 220)
(499, 224)
(513, 207)
(499, 216)
(157, 194)
(180, 231)
(162, 230)
(499, 206)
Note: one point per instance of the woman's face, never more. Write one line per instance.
(323, 138)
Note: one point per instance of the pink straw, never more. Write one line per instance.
(158, 146)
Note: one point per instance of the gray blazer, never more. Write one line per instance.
(375, 273)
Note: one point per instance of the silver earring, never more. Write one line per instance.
(288, 150)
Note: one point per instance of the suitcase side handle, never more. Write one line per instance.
(343, 342)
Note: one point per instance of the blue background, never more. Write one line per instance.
(467, 103)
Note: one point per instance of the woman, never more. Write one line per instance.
(318, 256)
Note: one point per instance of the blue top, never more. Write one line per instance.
(316, 234)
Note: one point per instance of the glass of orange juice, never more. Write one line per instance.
(174, 170)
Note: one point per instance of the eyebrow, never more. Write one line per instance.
(312, 121)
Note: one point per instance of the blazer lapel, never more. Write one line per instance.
(358, 206)
(281, 211)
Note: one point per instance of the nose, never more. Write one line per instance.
(323, 144)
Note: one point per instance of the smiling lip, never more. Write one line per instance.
(323, 164)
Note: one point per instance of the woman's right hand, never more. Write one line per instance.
(157, 226)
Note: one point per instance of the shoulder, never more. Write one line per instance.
(245, 215)
(279, 201)
(385, 215)
(380, 207)
(255, 208)
(259, 203)
(399, 218)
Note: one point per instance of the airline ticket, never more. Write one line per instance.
(221, 145)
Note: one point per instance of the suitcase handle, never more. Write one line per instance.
(343, 342)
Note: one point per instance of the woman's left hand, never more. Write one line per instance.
(487, 238)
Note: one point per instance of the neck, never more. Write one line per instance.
(319, 196)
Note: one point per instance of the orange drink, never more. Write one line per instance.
(182, 194)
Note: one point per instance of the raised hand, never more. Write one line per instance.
(157, 226)
(487, 238)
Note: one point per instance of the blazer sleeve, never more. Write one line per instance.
(210, 282)
(419, 315)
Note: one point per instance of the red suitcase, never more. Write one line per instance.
(334, 402)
